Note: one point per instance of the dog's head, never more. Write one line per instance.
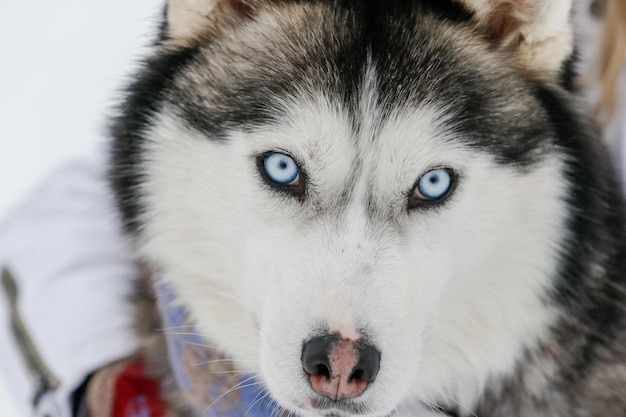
(362, 201)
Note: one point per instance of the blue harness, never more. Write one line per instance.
(207, 380)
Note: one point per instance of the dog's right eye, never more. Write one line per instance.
(281, 169)
(432, 188)
(282, 172)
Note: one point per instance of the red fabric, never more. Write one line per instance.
(137, 395)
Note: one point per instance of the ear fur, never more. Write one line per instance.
(188, 20)
(539, 30)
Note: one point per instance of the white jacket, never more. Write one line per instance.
(74, 273)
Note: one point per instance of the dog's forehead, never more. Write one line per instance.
(417, 55)
(291, 47)
(376, 158)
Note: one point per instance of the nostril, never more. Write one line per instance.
(368, 365)
(322, 369)
(356, 374)
(315, 359)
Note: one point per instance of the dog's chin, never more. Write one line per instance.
(337, 413)
(328, 408)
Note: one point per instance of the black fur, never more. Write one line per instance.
(588, 341)
(144, 98)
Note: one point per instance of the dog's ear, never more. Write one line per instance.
(188, 20)
(539, 30)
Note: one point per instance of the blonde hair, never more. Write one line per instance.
(612, 58)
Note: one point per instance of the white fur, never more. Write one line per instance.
(450, 295)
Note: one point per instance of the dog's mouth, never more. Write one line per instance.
(336, 412)
(345, 407)
(340, 408)
(339, 413)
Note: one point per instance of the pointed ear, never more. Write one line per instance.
(188, 20)
(539, 30)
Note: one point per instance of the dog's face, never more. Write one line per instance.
(362, 204)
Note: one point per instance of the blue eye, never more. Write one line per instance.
(281, 169)
(434, 185)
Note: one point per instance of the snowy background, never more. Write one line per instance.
(60, 66)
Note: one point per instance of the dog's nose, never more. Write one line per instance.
(339, 368)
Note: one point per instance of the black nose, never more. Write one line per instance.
(339, 368)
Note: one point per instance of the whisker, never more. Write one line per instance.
(433, 407)
(171, 333)
(258, 398)
(243, 372)
(251, 355)
(203, 345)
(278, 410)
(174, 331)
(224, 360)
(241, 385)
(459, 404)
(165, 329)
(231, 296)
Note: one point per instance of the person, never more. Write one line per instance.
(68, 271)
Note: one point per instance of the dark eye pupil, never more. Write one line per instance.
(434, 179)
(282, 165)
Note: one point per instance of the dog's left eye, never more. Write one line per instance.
(432, 187)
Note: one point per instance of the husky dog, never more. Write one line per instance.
(367, 203)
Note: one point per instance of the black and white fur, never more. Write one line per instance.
(507, 298)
